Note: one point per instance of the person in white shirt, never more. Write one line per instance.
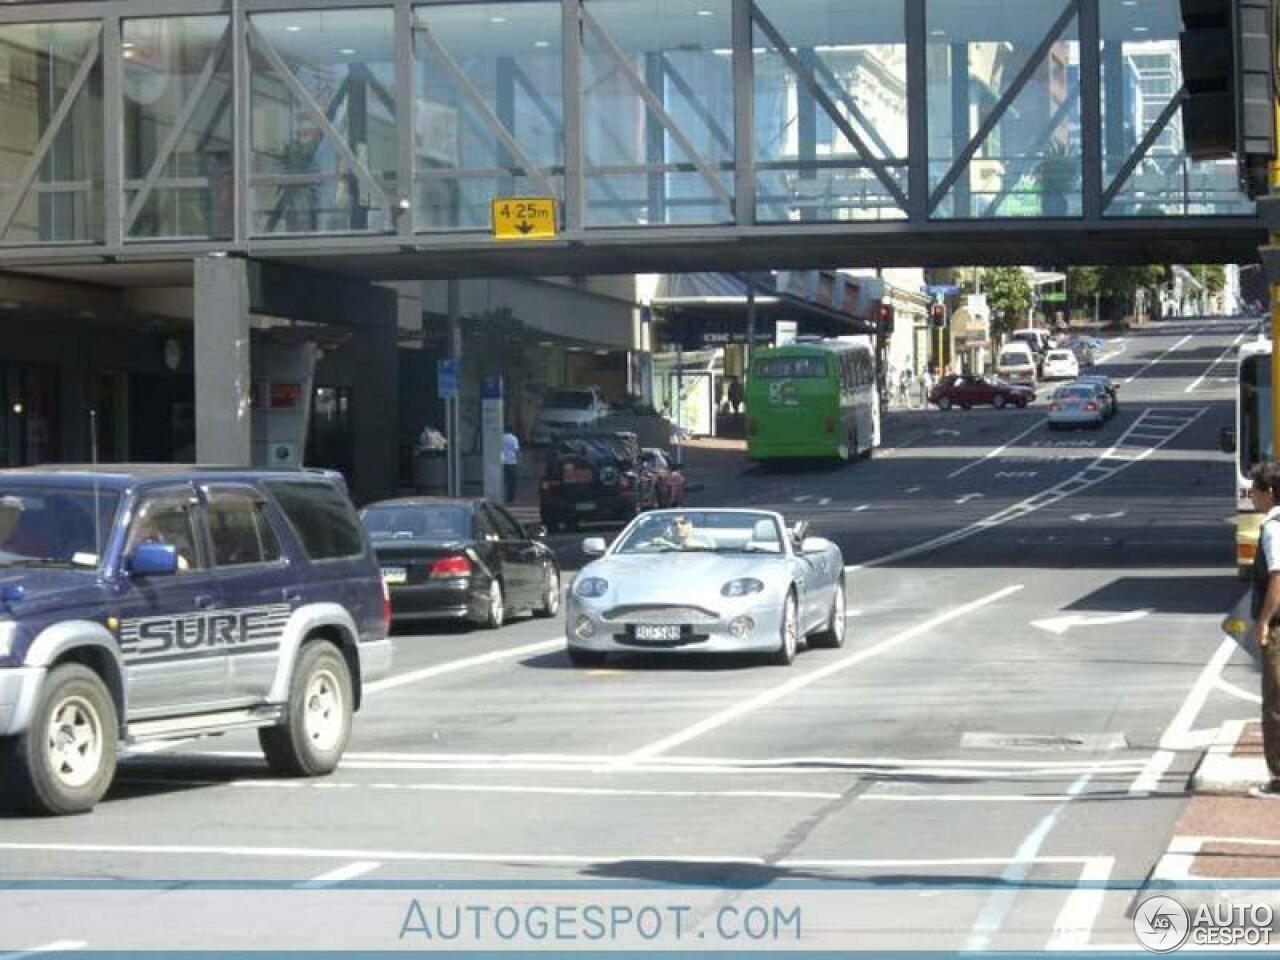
(510, 464)
(1265, 494)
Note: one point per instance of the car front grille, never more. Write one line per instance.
(660, 613)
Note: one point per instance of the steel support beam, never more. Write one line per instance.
(685, 89)
(651, 100)
(1090, 110)
(1020, 80)
(309, 104)
(29, 170)
(405, 212)
(531, 170)
(744, 169)
(114, 230)
(241, 126)
(170, 143)
(806, 76)
(1126, 170)
(917, 118)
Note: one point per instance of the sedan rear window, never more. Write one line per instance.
(439, 524)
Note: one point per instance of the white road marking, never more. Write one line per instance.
(57, 946)
(861, 508)
(1060, 625)
(969, 496)
(1104, 467)
(966, 797)
(914, 489)
(498, 788)
(397, 856)
(1200, 379)
(1178, 734)
(453, 666)
(824, 501)
(717, 720)
(1001, 902)
(997, 451)
(1086, 517)
(1248, 696)
(1074, 925)
(1159, 358)
(333, 878)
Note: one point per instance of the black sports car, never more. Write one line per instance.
(468, 560)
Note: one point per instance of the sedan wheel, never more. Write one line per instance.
(789, 641)
(944, 403)
(999, 401)
(550, 592)
(497, 613)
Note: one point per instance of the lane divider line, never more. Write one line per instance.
(453, 666)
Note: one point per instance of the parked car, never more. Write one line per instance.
(1017, 363)
(1038, 339)
(1078, 404)
(595, 477)
(965, 391)
(1109, 387)
(1060, 365)
(568, 410)
(146, 603)
(668, 481)
(467, 560)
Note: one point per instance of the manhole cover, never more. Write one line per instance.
(1086, 742)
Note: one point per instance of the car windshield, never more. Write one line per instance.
(1015, 358)
(569, 400)
(54, 526)
(712, 532)
(439, 523)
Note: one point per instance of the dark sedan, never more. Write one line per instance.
(595, 477)
(461, 560)
(965, 391)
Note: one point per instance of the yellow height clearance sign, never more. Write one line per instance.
(524, 218)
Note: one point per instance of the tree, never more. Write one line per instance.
(1008, 295)
(1212, 275)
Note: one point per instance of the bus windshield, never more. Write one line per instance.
(1255, 411)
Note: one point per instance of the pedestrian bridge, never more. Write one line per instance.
(371, 136)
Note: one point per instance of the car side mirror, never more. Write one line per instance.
(153, 560)
(593, 546)
(1227, 440)
(535, 531)
(814, 545)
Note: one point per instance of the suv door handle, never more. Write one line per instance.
(204, 602)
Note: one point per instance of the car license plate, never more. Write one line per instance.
(585, 507)
(392, 575)
(658, 632)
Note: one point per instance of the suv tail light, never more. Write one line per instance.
(449, 567)
(1091, 406)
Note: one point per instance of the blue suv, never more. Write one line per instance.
(145, 603)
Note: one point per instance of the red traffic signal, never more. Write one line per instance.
(884, 319)
(938, 315)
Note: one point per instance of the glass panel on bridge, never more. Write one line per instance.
(177, 110)
(836, 65)
(489, 114)
(1010, 70)
(1146, 171)
(657, 86)
(51, 155)
(324, 121)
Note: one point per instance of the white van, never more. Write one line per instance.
(1017, 363)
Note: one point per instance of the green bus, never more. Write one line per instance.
(814, 399)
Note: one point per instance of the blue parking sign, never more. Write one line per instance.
(447, 379)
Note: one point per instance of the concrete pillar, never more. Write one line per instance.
(376, 402)
(224, 432)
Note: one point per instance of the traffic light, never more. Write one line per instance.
(938, 315)
(1227, 70)
(884, 319)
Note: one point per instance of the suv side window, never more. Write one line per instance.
(167, 518)
(239, 531)
(325, 521)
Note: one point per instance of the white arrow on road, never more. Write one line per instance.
(946, 433)
(1061, 625)
(1086, 517)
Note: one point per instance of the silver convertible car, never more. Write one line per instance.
(693, 581)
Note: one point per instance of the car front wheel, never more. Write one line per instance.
(789, 633)
(944, 403)
(999, 401)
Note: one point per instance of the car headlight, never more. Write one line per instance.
(8, 629)
(741, 587)
(591, 587)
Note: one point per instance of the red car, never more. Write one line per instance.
(966, 390)
(668, 482)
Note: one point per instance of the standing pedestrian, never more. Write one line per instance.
(735, 394)
(1264, 491)
(510, 464)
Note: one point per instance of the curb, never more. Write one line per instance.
(1221, 773)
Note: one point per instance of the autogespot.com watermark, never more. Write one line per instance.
(667, 924)
(1162, 924)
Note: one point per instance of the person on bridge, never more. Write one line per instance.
(1265, 494)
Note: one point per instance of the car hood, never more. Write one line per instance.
(690, 578)
(49, 588)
